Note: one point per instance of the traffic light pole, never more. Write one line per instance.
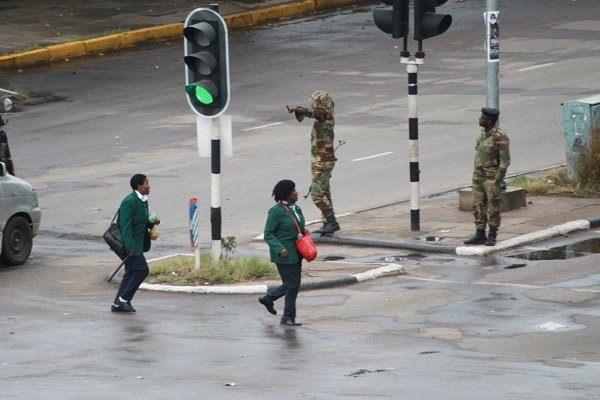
(215, 188)
(413, 140)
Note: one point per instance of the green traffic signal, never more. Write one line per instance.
(204, 92)
(206, 62)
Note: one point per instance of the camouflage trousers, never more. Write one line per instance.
(486, 203)
(320, 189)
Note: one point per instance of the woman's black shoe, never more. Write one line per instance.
(289, 321)
(268, 305)
(124, 306)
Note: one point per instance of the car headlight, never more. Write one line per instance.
(36, 199)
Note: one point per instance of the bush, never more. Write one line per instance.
(557, 183)
(180, 270)
(588, 175)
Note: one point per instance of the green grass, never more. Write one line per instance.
(180, 270)
(556, 183)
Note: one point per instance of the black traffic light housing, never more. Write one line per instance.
(206, 57)
(395, 21)
(427, 23)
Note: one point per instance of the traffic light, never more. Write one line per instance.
(427, 23)
(394, 21)
(207, 62)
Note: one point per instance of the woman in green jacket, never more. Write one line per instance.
(281, 233)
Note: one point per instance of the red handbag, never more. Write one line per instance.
(305, 244)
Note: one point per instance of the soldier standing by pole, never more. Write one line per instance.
(492, 158)
(322, 155)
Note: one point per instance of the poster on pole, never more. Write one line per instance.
(492, 42)
(193, 222)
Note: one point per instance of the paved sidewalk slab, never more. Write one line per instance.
(442, 220)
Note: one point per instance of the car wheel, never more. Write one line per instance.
(17, 241)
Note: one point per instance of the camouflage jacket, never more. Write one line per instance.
(322, 136)
(492, 156)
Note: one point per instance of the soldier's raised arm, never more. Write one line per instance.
(318, 113)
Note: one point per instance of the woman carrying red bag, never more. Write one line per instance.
(284, 227)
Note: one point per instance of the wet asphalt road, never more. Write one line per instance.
(453, 328)
(123, 113)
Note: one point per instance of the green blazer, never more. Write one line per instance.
(281, 233)
(134, 225)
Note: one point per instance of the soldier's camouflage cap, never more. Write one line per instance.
(491, 113)
(321, 98)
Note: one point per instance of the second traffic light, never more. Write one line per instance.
(207, 62)
(427, 23)
(394, 21)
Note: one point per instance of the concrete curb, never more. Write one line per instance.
(536, 236)
(385, 270)
(163, 32)
(386, 244)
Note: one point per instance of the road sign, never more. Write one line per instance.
(193, 222)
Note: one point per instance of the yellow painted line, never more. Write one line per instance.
(131, 38)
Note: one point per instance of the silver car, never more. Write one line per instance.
(20, 217)
(20, 214)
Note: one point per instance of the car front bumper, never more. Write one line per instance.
(36, 219)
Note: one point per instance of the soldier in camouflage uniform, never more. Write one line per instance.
(492, 158)
(5, 150)
(322, 155)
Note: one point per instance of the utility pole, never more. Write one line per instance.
(492, 38)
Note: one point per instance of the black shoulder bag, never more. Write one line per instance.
(113, 238)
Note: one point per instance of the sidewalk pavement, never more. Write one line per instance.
(441, 218)
(28, 25)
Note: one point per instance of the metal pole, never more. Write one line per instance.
(215, 189)
(413, 145)
(492, 94)
(215, 180)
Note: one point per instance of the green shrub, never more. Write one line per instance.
(180, 270)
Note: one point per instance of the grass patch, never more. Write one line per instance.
(556, 183)
(180, 270)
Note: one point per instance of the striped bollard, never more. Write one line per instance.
(413, 145)
(215, 192)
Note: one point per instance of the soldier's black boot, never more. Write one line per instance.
(330, 226)
(478, 238)
(491, 239)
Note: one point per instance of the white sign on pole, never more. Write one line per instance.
(226, 136)
(492, 42)
(204, 127)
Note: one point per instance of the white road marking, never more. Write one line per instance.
(373, 156)
(255, 128)
(535, 67)
(8, 91)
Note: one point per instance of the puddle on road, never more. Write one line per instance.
(401, 257)
(579, 249)
(333, 258)
(515, 266)
(431, 238)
